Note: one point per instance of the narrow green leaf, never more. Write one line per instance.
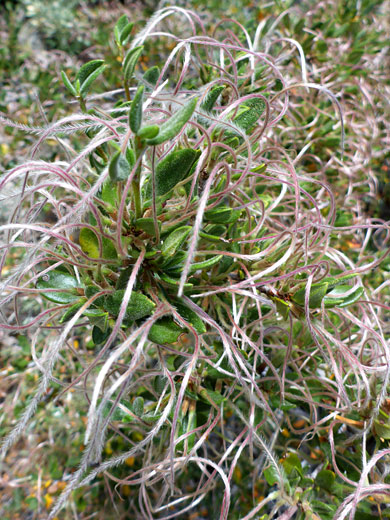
(59, 280)
(69, 313)
(138, 406)
(138, 307)
(250, 113)
(212, 395)
(185, 425)
(160, 383)
(191, 317)
(174, 240)
(119, 27)
(135, 114)
(223, 215)
(77, 86)
(174, 282)
(212, 97)
(84, 88)
(130, 62)
(109, 193)
(68, 84)
(343, 301)
(152, 75)
(205, 264)
(317, 294)
(148, 132)
(175, 123)
(165, 330)
(130, 156)
(119, 168)
(174, 168)
(333, 282)
(191, 425)
(125, 33)
(175, 262)
(87, 69)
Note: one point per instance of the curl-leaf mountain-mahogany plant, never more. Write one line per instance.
(198, 257)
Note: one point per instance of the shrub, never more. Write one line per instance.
(227, 333)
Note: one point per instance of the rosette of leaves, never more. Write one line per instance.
(183, 248)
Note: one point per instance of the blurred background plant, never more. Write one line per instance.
(318, 433)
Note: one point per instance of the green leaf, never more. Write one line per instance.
(251, 112)
(84, 88)
(292, 462)
(212, 97)
(69, 313)
(98, 318)
(271, 475)
(382, 429)
(317, 294)
(174, 282)
(146, 224)
(354, 297)
(174, 168)
(148, 132)
(138, 406)
(90, 291)
(223, 215)
(333, 282)
(211, 396)
(59, 280)
(135, 114)
(87, 69)
(99, 166)
(119, 168)
(342, 302)
(32, 502)
(165, 330)
(90, 245)
(24, 343)
(68, 84)
(152, 75)
(282, 307)
(205, 264)
(109, 193)
(175, 123)
(119, 27)
(138, 307)
(325, 479)
(98, 336)
(159, 384)
(130, 62)
(125, 33)
(343, 218)
(191, 317)
(191, 425)
(185, 425)
(130, 156)
(174, 240)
